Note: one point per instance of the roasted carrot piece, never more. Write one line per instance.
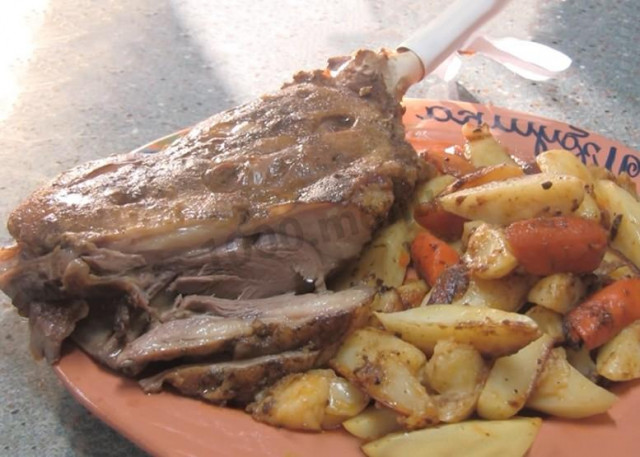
(603, 315)
(563, 244)
(443, 224)
(431, 256)
(445, 163)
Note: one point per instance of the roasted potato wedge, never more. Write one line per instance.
(616, 266)
(471, 438)
(373, 423)
(619, 359)
(562, 391)
(525, 197)
(457, 372)
(430, 189)
(488, 255)
(512, 379)
(589, 209)
(558, 292)
(345, 401)
(482, 149)
(384, 262)
(581, 360)
(412, 293)
(315, 400)
(467, 230)
(549, 322)
(387, 301)
(387, 368)
(491, 331)
(623, 179)
(508, 293)
(624, 212)
(562, 162)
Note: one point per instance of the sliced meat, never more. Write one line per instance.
(236, 381)
(269, 265)
(314, 320)
(109, 261)
(34, 279)
(265, 265)
(108, 328)
(50, 323)
(286, 306)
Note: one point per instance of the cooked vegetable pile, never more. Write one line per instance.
(509, 287)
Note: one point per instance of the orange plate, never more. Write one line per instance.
(169, 425)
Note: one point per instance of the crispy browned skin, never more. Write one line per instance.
(237, 381)
(316, 141)
(451, 285)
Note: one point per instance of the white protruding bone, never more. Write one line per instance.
(448, 32)
(430, 46)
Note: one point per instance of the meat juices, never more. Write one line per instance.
(264, 200)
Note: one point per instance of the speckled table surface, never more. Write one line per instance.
(102, 77)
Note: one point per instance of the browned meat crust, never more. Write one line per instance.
(264, 199)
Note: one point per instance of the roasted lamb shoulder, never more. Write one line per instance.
(267, 199)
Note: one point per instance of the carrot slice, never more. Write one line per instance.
(563, 244)
(437, 220)
(603, 315)
(445, 163)
(431, 256)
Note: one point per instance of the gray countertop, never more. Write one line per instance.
(107, 76)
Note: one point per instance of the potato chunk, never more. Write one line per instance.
(373, 422)
(616, 266)
(549, 322)
(428, 190)
(315, 400)
(508, 293)
(482, 149)
(488, 255)
(624, 212)
(384, 261)
(471, 438)
(387, 369)
(562, 391)
(511, 200)
(581, 360)
(562, 162)
(412, 293)
(512, 379)
(457, 372)
(345, 401)
(491, 331)
(619, 359)
(588, 209)
(558, 292)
